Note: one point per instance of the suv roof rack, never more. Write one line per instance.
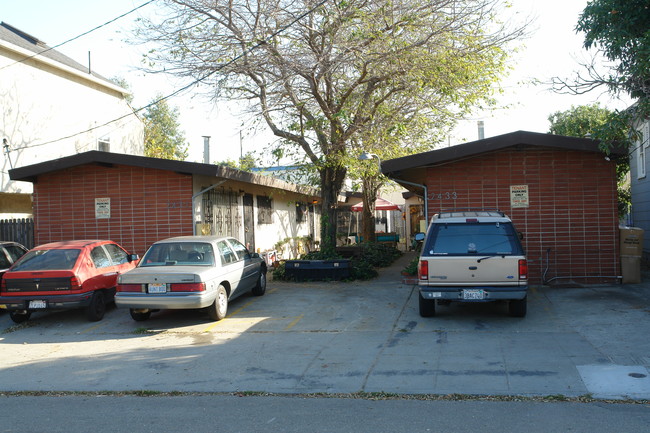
(470, 212)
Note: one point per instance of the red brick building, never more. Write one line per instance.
(559, 191)
(136, 201)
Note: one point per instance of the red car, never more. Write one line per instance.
(68, 274)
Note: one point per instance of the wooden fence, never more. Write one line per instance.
(18, 230)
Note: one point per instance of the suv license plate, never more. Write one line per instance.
(157, 288)
(474, 294)
(37, 304)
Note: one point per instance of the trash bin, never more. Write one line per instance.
(631, 252)
(631, 268)
(631, 241)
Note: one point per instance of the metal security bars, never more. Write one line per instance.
(220, 210)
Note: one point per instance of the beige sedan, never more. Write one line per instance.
(191, 272)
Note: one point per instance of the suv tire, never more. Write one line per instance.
(427, 306)
(518, 307)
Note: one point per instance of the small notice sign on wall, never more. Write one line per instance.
(103, 208)
(518, 196)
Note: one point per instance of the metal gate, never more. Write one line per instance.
(220, 210)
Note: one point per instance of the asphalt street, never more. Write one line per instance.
(356, 337)
(234, 414)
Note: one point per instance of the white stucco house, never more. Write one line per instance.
(52, 106)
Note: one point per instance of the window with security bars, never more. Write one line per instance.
(264, 210)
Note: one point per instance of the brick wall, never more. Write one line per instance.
(572, 211)
(146, 205)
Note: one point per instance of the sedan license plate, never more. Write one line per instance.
(473, 294)
(157, 288)
(37, 304)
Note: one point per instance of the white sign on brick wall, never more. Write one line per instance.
(103, 208)
(518, 196)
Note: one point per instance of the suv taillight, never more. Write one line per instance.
(423, 270)
(523, 269)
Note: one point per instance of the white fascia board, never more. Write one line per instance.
(86, 76)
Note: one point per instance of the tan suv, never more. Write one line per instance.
(472, 256)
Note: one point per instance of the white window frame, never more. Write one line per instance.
(641, 147)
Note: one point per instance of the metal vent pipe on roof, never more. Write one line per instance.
(481, 129)
(206, 149)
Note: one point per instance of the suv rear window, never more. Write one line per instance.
(461, 239)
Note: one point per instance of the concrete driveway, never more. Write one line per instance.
(344, 338)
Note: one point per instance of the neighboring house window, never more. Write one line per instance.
(104, 144)
(301, 212)
(264, 210)
(641, 150)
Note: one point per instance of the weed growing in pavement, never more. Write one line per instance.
(146, 393)
(15, 328)
(556, 397)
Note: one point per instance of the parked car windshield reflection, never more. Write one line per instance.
(179, 254)
(41, 260)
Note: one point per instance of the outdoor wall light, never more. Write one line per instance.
(365, 156)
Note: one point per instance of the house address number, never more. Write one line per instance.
(448, 195)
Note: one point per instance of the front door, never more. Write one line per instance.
(249, 223)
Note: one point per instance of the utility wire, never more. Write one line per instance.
(195, 82)
(78, 36)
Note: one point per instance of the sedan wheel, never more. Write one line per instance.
(95, 311)
(219, 308)
(260, 287)
(19, 316)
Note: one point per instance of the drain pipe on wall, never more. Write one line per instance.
(197, 195)
(545, 281)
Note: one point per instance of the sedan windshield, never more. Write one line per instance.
(179, 253)
(44, 260)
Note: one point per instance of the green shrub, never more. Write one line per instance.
(379, 255)
(278, 272)
(360, 269)
(412, 267)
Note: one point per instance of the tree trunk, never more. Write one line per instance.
(369, 193)
(331, 183)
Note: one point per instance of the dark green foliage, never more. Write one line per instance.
(278, 272)
(379, 255)
(412, 267)
(620, 30)
(360, 269)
